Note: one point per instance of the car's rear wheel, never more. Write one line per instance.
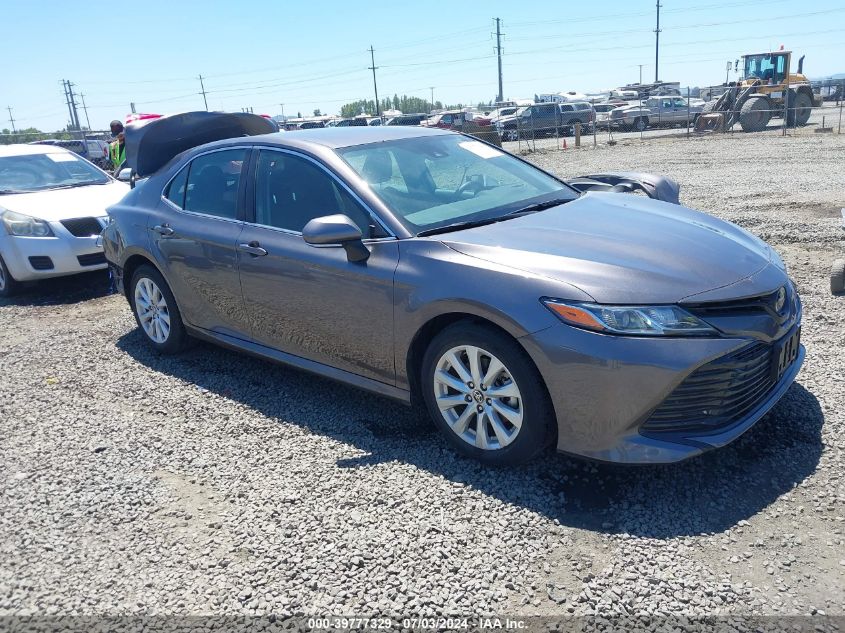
(8, 284)
(156, 312)
(511, 135)
(485, 395)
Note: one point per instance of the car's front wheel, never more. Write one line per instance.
(8, 284)
(511, 135)
(485, 395)
(156, 312)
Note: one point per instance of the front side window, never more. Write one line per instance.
(290, 191)
(38, 172)
(435, 181)
(213, 181)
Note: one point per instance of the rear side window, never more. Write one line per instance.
(176, 189)
(213, 181)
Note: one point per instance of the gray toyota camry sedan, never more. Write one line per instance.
(427, 266)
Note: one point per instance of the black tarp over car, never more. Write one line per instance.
(151, 144)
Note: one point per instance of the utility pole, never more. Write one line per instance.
(375, 86)
(85, 108)
(11, 119)
(499, 56)
(431, 109)
(67, 101)
(74, 115)
(657, 43)
(204, 100)
(641, 73)
(283, 110)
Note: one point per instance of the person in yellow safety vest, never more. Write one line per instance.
(117, 148)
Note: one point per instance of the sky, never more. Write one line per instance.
(261, 54)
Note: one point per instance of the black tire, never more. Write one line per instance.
(800, 107)
(8, 284)
(755, 114)
(533, 434)
(510, 134)
(177, 338)
(640, 124)
(837, 277)
(572, 127)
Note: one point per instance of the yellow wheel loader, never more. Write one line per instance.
(767, 90)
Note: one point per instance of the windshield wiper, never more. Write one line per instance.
(4, 192)
(459, 226)
(79, 184)
(539, 206)
(531, 208)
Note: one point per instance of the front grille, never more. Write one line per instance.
(91, 259)
(83, 227)
(717, 394)
(41, 262)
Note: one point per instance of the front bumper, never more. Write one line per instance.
(64, 252)
(604, 388)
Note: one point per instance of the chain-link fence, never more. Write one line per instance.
(797, 110)
(90, 144)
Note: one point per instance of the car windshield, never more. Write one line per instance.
(38, 172)
(433, 182)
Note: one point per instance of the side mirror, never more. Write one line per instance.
(124, 175)
(337, 229)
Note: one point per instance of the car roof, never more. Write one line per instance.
(21, 149)
(338, 137)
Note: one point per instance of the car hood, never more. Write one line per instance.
(62, 204)
(621, 248)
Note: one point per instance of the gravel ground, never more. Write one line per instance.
(216, 483)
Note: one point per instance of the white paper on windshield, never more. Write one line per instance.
(480, 149)
(61, 158)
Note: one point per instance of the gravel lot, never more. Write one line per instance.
(217, 483)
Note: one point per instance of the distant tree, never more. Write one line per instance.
(317, 112)
(27, 135)
(299, 115)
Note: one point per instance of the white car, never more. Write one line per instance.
(52, 209)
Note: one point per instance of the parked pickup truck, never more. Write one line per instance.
(545, 119)
(654, 112)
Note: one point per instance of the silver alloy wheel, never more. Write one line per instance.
(152, 310)
(477, 397)
(511, 135)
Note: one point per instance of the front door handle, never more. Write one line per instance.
(163, 229)
(253, 248)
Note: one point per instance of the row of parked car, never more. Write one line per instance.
(512, 123)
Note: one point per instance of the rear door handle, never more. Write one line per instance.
(253, 248)
(163, 229)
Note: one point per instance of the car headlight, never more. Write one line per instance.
(666, 320)
(24, 225)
